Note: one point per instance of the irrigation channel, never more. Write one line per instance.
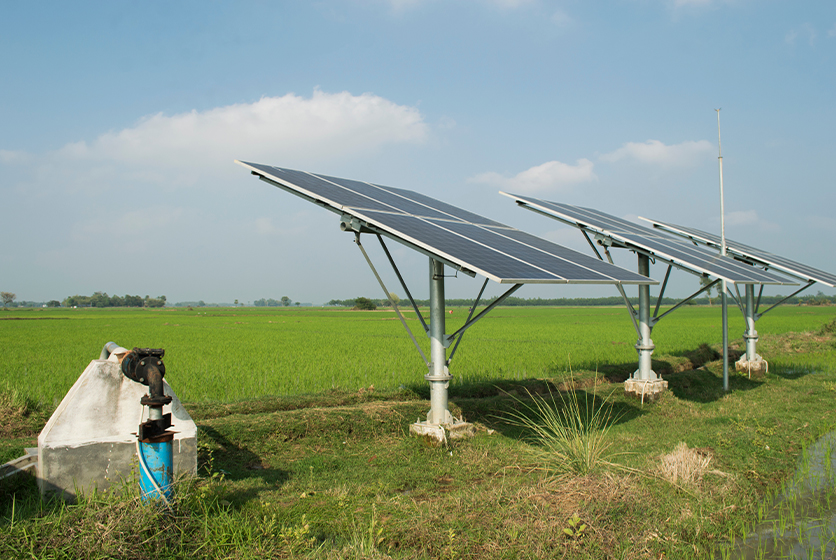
(800, 521)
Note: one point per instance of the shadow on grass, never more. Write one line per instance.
(235, 461)
(791, 371)
(704, 386)
(494, 405)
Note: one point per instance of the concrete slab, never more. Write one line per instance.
(646, 390)
(758, 366)
(437, 435)
(89, 441)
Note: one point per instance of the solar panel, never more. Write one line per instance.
(750, 253)
(470, 242)
(633, 236)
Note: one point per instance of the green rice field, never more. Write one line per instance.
(230, 354)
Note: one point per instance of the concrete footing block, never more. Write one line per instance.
(646, 390)
(461, 430)
(437, 435)
(758, 366)
(89, 442)
(26, 464)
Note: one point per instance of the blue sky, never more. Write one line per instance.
(121, 121)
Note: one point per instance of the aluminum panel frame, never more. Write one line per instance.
(751, 254)
(646, 241)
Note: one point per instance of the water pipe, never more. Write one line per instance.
(154, 439)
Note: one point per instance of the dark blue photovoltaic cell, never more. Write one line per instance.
(457, 236)
(384, 196)
(706, 261)
(322, 190)
(593, 218)
(540, 258)
(481, 257)
(769, 259)
(447, 209)
(593, 263)
(635, 236)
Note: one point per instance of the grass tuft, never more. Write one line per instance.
(571, 434)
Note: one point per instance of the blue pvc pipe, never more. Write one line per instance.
(159, 458)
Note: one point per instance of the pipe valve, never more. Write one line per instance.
(145, 365)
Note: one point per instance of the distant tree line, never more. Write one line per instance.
(818, 299)
(200, 303)
(284, 302)
(101, 299)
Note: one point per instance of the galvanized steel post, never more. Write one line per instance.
(438, 376)
(751, 335)
(645, 345)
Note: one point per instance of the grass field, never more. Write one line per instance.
(299, 459)
(232, 354)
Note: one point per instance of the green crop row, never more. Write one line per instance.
(238, 353)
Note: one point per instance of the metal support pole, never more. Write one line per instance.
(725, 300)
(438, 376)
(645, 345)
(751, 335)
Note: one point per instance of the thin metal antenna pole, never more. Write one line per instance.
(723, 252)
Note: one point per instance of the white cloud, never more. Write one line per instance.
(654, 152)
(691, 3)
(742, 218)
(287, 128)
(510, 4)
(127, 223)
(400, 6)
(562, 19)
(264, 226)
(820, 222)
(13, 156)
(552, 176)
(832, 31)
(740, 222)
(804, 30)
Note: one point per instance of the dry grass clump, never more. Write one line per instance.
(684, 465)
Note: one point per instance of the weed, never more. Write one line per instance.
(295, 537)
(450, 549)
(571, 435)
(365, 542)
(576, 529)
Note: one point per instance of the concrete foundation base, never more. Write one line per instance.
(437, 435)
(90, 442)
(26, 464)
(758, 366)
(646, 390)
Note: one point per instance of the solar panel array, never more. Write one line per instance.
(496, 251)
(751, 253)
(647, 240)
